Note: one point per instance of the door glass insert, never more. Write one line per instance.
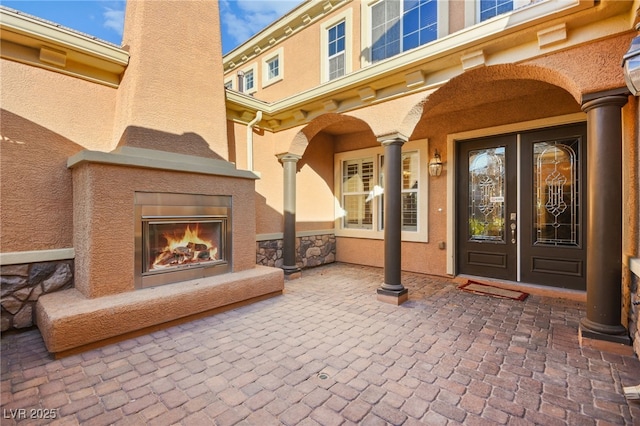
(487, 190)
(555, 192)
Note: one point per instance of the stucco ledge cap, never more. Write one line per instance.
(160, 160)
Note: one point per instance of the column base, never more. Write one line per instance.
(586, 341)
(394, 297)
(607, 333)
(291, 272)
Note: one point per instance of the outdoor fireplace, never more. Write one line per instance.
(180, 237)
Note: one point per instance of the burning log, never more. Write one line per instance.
(165, 258)
(197, 247)
(191, 253)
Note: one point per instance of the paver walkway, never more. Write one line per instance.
(327, 352)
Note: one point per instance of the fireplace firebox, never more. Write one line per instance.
(181, 237)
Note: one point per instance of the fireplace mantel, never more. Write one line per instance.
(161, 160)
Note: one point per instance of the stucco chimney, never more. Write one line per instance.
(171, 97)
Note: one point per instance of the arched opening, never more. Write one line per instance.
(496, 224)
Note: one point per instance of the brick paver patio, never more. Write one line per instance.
(327, 352)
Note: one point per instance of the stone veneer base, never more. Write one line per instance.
(68, 320)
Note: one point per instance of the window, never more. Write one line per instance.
(385, 29)
(410, 178)
(336, 46)
(273, 67)
(397, 26)
(359, 184)
(491, 8)
(228, 84)
(249, 84)
(336, 49)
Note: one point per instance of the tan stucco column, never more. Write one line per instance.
(392, 290)
(289, 163)
(604, 219)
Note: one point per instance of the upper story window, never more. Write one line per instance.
(336, 48)
(491, 8)
(273, 67)
(336, 45)
(400, 25)
(228, 84)
(249, 83)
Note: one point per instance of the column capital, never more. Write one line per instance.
(288, 157)
(613, 100)
(392, 138)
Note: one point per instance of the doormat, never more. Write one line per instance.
(488, 290)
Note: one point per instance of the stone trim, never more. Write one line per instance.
(18, 257)
(23, 284)
(311, 250)
(278, 235)
(633, 296)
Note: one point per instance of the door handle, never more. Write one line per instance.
(513, 233)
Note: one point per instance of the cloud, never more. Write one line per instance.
(241, 19)
(114, 19)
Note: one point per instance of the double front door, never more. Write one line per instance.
(521, 207)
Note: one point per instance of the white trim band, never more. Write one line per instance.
(19, 257)
(279, 235)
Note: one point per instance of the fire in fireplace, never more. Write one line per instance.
(182, 244)
(180, 237)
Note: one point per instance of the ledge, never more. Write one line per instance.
(160, 160)
(280, 235)
(19, 257)
(634, 265)
(68, 320)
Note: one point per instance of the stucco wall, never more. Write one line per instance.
(592, 67)
(631, 220)
(173, 82)
(314, 179)
(46, 117)
(76, 109)
(315, 199)
(424, 258)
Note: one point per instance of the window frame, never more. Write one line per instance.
(472, 11)
(376, 231)
(347, 18)
(339, 53)
(253, 68)
(357, 192)
(279, 55)
(366, 12)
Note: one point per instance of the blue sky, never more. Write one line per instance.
(104, 19)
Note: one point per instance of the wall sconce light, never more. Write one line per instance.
(631, 66)
(435, 165)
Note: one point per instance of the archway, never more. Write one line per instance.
(309, 163)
